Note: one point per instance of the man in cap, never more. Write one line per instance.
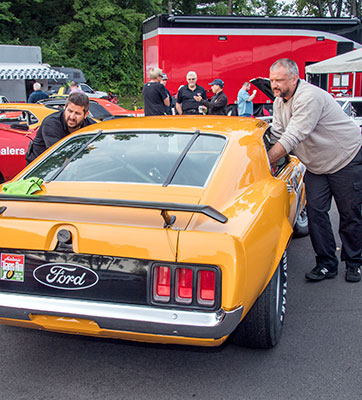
(164, 82)
(186, 103)
(217, 104)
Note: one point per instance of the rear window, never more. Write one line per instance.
(99, 112)
(142, 157)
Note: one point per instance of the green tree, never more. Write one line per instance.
(327, 8)
(104, 40)
(7, 18)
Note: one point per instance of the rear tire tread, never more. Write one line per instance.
(262, 326)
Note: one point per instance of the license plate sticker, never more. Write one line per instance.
(12, 267)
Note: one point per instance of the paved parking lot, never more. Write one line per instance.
(318, 357)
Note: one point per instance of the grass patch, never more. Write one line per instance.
(131, 101)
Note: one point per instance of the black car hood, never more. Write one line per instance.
(263, 84)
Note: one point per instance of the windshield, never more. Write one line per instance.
(142, 157)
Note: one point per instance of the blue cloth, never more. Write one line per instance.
(244, 106)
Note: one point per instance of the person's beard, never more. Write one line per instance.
(282, 93)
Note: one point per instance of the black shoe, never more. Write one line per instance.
(319, 273)
(353, 274)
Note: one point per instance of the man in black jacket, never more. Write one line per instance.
(217, 104)
(60, 124)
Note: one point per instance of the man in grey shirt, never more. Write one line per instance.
(309, 122)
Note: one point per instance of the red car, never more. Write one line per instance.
(13, 146)
(18, 125)
(117, 110)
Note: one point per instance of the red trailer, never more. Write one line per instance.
(237, 49)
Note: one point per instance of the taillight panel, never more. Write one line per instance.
(206, 287)
(180, 285)
(162, 283)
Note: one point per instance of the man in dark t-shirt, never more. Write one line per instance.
(186, 104)
(154, 94)
(58, 125)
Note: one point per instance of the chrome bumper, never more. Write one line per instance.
(140, 319)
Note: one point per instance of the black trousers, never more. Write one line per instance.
(345, 186)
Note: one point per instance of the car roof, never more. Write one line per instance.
(223, 125)
(22, 106)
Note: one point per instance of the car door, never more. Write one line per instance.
(291, 171)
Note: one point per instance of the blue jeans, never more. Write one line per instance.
(345, 186)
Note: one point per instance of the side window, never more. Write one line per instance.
(348, 109)
(357, 108)
(86, 89)
(283, 162)
(29, 117)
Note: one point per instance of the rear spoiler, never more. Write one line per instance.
(164, 207)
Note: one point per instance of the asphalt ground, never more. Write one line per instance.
(319, 355)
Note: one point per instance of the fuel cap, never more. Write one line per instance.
(64, 236)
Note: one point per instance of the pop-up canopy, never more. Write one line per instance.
(347, 62)
(29, 71)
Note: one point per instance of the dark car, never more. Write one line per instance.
(96, 111)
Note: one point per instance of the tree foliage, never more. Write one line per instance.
(104, 37)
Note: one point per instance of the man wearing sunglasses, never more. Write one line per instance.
(186, 104)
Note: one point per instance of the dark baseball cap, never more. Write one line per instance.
(219, 82)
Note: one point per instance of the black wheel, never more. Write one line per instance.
(301, 228)
(262, 327)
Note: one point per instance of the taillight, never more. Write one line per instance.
(206, 287)
(162, 283)
(184, 284)
(189, 285)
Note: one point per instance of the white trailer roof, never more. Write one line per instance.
(347, 62)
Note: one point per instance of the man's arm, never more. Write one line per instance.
(251, 97)
(165, 96)
(221, 103)
(179, 108)
(275, 154)
(52, 132)
(166, 101)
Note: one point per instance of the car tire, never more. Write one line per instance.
(301, 228)
(262, 326)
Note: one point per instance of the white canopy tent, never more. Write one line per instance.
(344, 63)
(29, 71)
(347, 62)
